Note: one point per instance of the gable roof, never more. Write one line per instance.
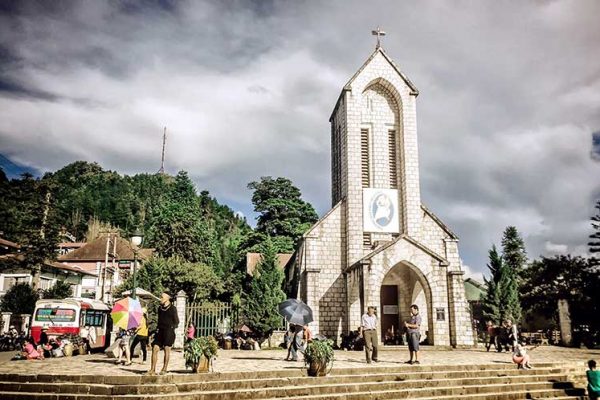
(473, 289)
(252, 260)
(48, 264)
(96, 251)
(438, 221)
(379, 50)
(68, 268)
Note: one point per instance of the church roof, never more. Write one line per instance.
(439, 222)
(413, 88)
(378, 50)
(412, 241)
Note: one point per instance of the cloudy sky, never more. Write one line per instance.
(508, 110)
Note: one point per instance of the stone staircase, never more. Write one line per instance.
(469, 382)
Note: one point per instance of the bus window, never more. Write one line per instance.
(94, 318)
(55, 315)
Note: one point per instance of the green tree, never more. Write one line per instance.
(283, 215)
(594, 244)
(513, 251)
(178, 228)
(491, 298)
(574, 279)
(61, 290)
(514, 259)
(198, 281)
(20, 299)
(510, 303)
(260, 305)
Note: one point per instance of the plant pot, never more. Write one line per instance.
(202, 366)
(317, 368)
(227, 344)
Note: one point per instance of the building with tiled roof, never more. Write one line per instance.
(110, 258)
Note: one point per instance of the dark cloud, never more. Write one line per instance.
(509, 95)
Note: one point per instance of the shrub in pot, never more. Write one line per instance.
(317, 356)
(199, 353)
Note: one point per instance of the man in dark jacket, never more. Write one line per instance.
(165, 333)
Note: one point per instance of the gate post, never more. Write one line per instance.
(180, 304)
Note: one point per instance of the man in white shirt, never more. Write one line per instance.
(369, 325)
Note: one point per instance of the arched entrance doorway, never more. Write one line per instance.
(402, 286)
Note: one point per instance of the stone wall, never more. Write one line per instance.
(323, 259)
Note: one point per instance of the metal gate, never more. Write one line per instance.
(212, 318)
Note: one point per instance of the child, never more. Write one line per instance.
(521, 358)
(593, 378)
(30, 352)
(125, 337)
(191, 332)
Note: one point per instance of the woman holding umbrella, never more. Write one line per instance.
(126, 315)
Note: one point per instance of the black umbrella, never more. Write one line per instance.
(295, 312)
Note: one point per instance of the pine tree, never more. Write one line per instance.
(262, 301)
(491, 299)
(595, 243)
(514, 257)
(513, 251)
(510, 303)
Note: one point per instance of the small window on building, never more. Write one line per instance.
(364, 158)
(10, 281)
(440, 314)
(46, 283)
(393, 154)
(367, 239)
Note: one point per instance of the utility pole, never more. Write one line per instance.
(162, 161)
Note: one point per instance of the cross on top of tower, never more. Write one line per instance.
(378, 33)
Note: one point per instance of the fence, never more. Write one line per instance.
(216, 317)
(212, 318)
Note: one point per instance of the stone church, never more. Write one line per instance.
(379, 245)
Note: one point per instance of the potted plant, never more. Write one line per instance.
(318, 355)
(199, 352)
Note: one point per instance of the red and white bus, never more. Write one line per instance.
(85, 317)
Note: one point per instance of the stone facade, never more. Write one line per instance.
(343, 264)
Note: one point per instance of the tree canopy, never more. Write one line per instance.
(283, 215)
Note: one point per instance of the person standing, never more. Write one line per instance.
(165, 334)
(492, 336)
(369, 325)
(593, 378)
(141, 336)
(297, 343)
(413, 334)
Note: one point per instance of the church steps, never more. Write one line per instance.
(272, 384)
(439, 382)
(400, 389)
(292, 373)
(200, 383)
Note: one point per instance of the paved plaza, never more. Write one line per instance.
(267, 360)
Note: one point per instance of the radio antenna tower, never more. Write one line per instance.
(162, 161)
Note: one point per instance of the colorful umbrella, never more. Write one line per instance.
(127, 313)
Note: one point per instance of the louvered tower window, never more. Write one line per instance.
(393, 153)
(366, 239)
(364, 157)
